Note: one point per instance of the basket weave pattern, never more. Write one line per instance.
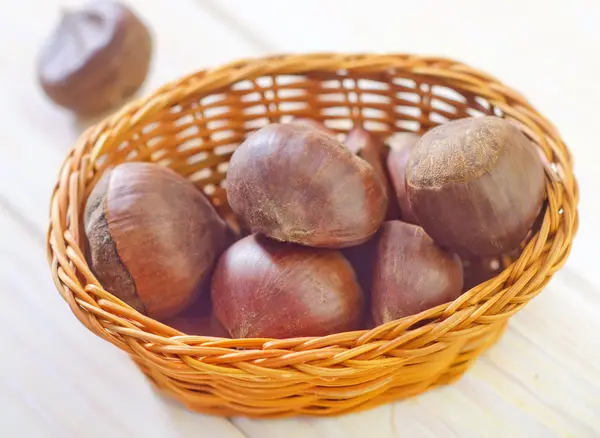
(194, 124)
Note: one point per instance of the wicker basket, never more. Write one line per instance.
(193, 125)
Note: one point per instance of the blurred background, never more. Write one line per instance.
(542, 379)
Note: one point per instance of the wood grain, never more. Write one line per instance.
(541, 380)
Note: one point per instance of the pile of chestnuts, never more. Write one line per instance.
(335, 234)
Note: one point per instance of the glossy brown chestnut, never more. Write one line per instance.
(401, 145)
(411, 273)
(296, 184)
(265, 288)
(373, 151)
(153, 237)
(476, 185)
(97, 56)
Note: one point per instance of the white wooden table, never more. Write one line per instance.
(541, 380)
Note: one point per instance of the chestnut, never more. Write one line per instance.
(374, 152)
(401, 145)
(153, 237)
(269, 289)
(411, 273)
(476, 185)
(294, 183)
(98, 56)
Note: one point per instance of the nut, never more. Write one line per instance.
(476, 185)
(264, 288)
(97, 57)
(411, 273)
(294, 183)
(153, 237)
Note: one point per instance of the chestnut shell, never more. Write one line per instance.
(294, 183)
(265, 288)
(411, 273)
(153, 237)
(476, 185)
(97, 56)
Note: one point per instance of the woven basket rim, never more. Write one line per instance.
(486, 304)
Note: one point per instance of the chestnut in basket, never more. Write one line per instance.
(401, 145)
(265, 288)
(97, 56)
(476, 185)
(411, 273)
(374, 152)
(294, 183)
(153, 237)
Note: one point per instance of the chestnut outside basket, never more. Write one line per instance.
(193, 125)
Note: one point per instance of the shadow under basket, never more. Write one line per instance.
(194, 124)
